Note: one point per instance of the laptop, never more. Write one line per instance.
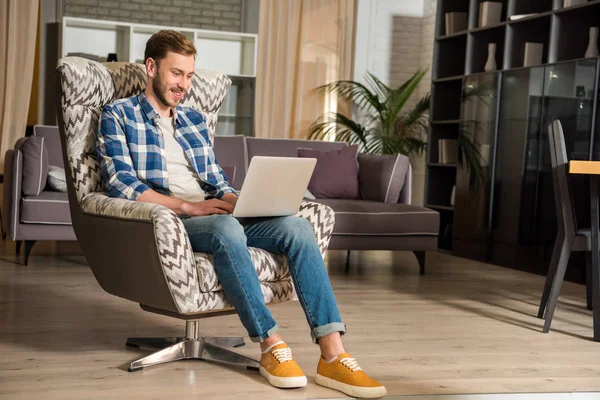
(274, 186)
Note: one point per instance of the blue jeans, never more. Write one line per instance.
(228, 239)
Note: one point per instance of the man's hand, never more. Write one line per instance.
(230, 198)
(207, 207)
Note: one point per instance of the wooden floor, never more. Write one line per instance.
(465, 327)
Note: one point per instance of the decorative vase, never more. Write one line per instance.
(592, 49)
(490, 64)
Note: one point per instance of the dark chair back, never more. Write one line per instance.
(567, 222)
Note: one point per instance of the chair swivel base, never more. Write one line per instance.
(190, 347)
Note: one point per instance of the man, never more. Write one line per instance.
(152, 149)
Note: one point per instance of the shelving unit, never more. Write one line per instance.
(232, 53)
(458, 56)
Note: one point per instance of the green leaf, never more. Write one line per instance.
(386, 129)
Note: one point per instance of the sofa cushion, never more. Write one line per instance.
(35, 165)
(336, 173)
(364, 217)
(46, 208)
(51, 137)
(231, 151)
(57, 180)
(286, 147)
(381, 177)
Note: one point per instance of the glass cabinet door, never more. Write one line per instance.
(479, 104)
(516, 161)
(524, 214)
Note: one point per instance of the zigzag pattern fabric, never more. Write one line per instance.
(86, 86)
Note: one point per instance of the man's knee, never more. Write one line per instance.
(299, 228)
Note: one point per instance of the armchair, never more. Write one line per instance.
(140, 251)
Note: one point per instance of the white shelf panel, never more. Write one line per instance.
(232, 53)
(230, 56)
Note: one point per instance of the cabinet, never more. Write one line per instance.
(232, 53)
(524, 216)
(511, 219)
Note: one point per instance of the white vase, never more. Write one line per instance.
(490, 64)
(592, 49)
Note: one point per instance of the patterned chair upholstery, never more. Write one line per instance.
(140, 251)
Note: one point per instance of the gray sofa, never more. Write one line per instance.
(360, 224)
(29, 218)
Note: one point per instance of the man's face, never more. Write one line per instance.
(172, 77)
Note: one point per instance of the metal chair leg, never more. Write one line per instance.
(190, 347)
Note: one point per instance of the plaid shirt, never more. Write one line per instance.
(131, 150)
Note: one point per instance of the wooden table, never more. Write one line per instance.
(592, 168)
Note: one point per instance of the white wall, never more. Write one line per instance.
(374, 31)
(394, 38)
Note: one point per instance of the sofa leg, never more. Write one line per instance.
(18, 247)
(348, 261)
(28, 246)
(421, 259)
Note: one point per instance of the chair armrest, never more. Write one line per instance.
(322, 219)
(172, 243)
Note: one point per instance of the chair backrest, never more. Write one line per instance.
(565, 211)
(86, 86)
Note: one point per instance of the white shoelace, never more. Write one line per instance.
(283, 355)
(351, 364)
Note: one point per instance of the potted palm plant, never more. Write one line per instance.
(387, 127)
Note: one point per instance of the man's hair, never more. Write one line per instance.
(164, 41)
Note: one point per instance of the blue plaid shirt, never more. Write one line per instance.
(131, 149)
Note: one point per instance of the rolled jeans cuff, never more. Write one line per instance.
(258, 339)
(326, 329)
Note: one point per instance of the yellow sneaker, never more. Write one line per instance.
(344, 374)
(280, 368)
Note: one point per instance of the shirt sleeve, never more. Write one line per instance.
(118, 173)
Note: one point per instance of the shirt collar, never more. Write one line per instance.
(151, 112)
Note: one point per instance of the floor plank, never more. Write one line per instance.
(464, 328)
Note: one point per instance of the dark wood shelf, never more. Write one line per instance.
(450, 78)
(530, 18)
(488, 28)
(452, 35)
(576, 7)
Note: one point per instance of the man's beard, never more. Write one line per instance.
(161, 91)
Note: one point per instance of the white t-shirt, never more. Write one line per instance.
(183, 181)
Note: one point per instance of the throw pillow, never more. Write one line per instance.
(336, 173)
(381, 177)
(35, 165)
(56, 179)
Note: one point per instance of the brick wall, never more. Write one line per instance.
(224, 15)
(412, 48)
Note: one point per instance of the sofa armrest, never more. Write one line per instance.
(322, 219)
(406, 192)
(11, 191)
(172, 243)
